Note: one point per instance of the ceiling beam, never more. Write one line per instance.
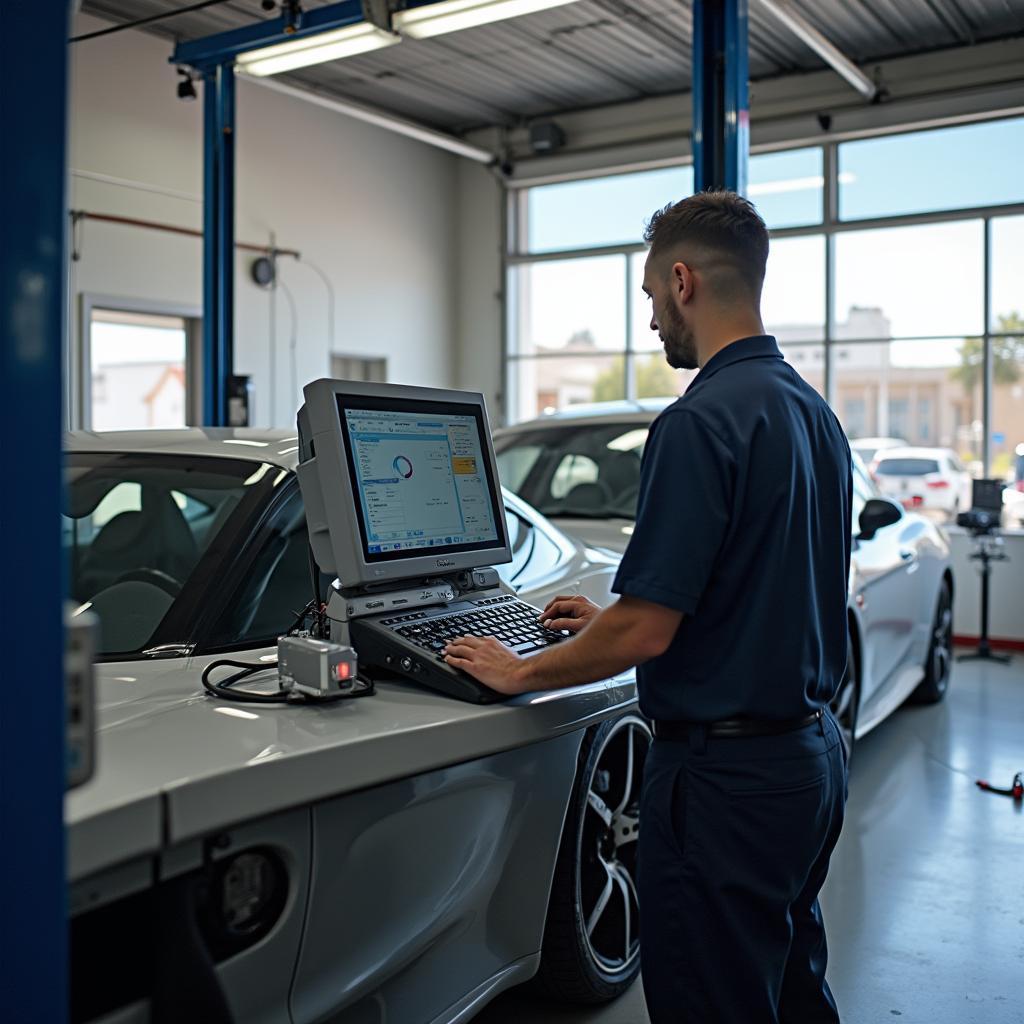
(785, 13)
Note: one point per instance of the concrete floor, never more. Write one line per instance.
(924, 903)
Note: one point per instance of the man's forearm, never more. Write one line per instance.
(610, 644)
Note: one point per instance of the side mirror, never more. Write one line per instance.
(876, 515)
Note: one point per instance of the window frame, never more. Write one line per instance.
(80, 360)
(830, 225)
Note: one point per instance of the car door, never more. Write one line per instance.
(885, 592)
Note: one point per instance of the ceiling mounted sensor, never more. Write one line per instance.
(546, 137)
(349, 41)
(186, 87)
(434, 19)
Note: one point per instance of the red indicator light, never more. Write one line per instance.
(343, 670)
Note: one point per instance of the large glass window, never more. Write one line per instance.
(793, 300)
(898, 345)
(917, 393)
(569, 307)
(600, 211)
(788, 187)
(941, 169)
(919, 281)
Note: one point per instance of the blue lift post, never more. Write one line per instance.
(218, 241)
(721, 107)
(33, 905)
(213, 58)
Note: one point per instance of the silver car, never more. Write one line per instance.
(402, 857)
(581, 468)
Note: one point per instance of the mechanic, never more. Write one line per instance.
(733, 605)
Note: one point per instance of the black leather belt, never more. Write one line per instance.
(734, 727)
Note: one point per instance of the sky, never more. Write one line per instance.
(127, 343)
(928, 280)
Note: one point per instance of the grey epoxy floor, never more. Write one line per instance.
(924, 904)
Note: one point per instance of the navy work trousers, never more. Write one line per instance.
(734, 848)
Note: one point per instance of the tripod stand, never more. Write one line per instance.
(987, 550)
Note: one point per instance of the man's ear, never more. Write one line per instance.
(682, 281)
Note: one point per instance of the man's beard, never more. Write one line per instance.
(680, 344)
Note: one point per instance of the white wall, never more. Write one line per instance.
(478, 361)
(1006, 588)
(377, 212)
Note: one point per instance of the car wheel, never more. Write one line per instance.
(846, 703)
(591, 948)
(939, 664)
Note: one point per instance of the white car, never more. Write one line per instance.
(401, 857)
(583, 471)
(924, 479)
(868, 447)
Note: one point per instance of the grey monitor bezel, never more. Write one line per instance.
(333, 524)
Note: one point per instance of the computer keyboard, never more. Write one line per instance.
(412, 643)
(512, 622)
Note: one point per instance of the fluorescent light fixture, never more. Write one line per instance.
(454, 15)
(316, 49)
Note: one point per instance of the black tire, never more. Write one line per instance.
(939, 662)
(845, 704)
(591, 948)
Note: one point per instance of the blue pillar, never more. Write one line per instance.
(219, 240)
(33, 220)
(721, 108)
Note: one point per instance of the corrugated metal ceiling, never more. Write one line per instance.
(590, 53)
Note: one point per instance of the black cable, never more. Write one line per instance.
(225, 690)
(146, 21)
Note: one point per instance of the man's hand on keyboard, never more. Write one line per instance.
(487, 660)
(571, 612)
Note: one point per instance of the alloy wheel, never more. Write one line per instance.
(942, 644)
(610, 828)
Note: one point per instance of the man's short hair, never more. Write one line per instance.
(720, 227)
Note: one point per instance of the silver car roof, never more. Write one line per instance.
(278, 447)
(643, 410)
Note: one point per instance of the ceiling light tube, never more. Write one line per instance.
(453, 15)
(315, 49)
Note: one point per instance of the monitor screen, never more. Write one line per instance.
(420, 477)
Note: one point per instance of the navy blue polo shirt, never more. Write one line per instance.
(743, 524)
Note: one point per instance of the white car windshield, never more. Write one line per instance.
(584, 471)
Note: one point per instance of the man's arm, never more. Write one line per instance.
(626, 633)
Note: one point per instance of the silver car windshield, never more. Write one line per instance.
(585, 472)
(136, 527)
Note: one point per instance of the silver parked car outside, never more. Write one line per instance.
(402, 857)
(581, 468)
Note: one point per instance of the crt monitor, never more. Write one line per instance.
(398, 482)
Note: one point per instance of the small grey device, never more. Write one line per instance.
(80, 695)
(317, 668)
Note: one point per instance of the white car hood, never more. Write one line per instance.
(174, 764)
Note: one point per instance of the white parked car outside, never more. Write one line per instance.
(928, 479)
(868, 447)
